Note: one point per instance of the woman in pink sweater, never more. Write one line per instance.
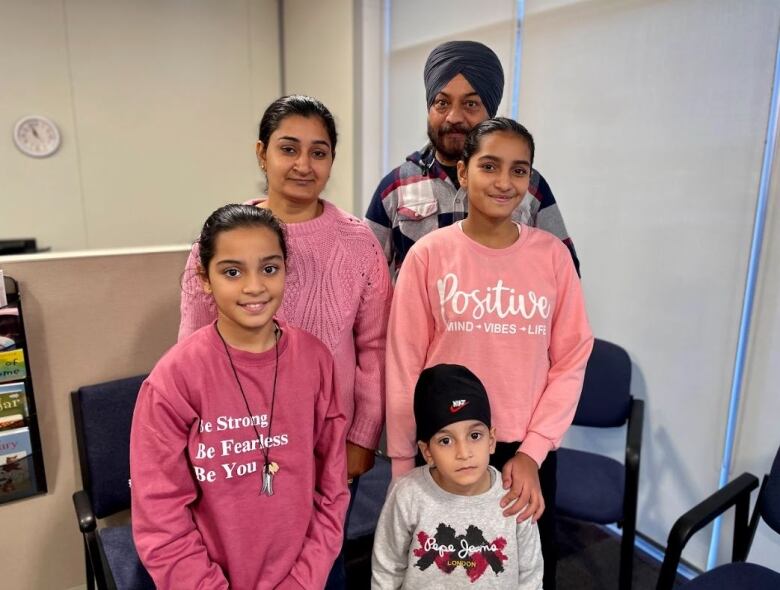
(503, 300)
(237, 445)
(338, 287)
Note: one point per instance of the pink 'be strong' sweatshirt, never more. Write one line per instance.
(196, 462)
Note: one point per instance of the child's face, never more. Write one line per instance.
(461, 454)
(497, 175)
(246, 278)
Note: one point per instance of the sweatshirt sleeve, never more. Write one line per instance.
(197, 307)
(168, 543)
(392, 539)
(325, 533)
(529, 553)
(409, 335)
(570, 344)
(370, 333)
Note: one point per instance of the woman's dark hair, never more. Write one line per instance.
(303, 106)
(233, 217)
(474, 138)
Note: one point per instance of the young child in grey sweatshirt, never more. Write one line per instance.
(442, 526)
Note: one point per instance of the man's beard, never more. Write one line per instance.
(446, 148)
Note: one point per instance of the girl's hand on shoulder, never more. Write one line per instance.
(359, 460)
(524, 492)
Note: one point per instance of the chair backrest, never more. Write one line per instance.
(103, 414)
(769, 505)
(606, 392)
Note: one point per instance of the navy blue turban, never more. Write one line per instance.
(478, 64)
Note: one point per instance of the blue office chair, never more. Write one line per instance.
(738, 574)
(592, 487)
(102, 415)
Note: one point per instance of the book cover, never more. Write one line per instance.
(12, 361)
(12, 421)
(12, 365)
(17, 475)
(14, 445)
(13, 402)
(10, 328)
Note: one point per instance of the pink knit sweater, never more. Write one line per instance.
(338, 289)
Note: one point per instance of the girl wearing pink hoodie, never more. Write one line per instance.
(237, 463)
(504, 300)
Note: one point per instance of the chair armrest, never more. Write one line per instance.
(634, 434)
(734, 493)
(84, 513)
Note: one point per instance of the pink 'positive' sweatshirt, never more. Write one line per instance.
(515, 316)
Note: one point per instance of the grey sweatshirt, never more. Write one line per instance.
(430, 539)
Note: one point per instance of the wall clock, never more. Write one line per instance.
(36, 136)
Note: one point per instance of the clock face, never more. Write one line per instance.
(36, 136)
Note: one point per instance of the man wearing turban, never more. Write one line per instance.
(464, 83)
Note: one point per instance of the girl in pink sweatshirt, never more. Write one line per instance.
(504, 300)
(237, 455)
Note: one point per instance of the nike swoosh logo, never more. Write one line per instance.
(458, 409)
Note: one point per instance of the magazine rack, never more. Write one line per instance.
(21, 457)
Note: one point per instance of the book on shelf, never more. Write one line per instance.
(17, 475)
(13, 405)
(12, 421)
(10, 327)
(12, 361)
(12, 365)
(15, 444)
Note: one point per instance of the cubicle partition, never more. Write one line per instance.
(89, 317)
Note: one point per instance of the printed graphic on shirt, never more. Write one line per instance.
(497, 309)
(472, 551)
(239, 450)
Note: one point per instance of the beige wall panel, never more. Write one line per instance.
(164, 112)
(88, 319)
(38, 197)
(319, 61)
(264, 59)
(158, 101)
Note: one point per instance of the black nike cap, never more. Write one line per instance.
(446, 394)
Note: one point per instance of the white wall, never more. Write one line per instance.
(415, 30)
(650, 119)
(758, 435)
(158, 103)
